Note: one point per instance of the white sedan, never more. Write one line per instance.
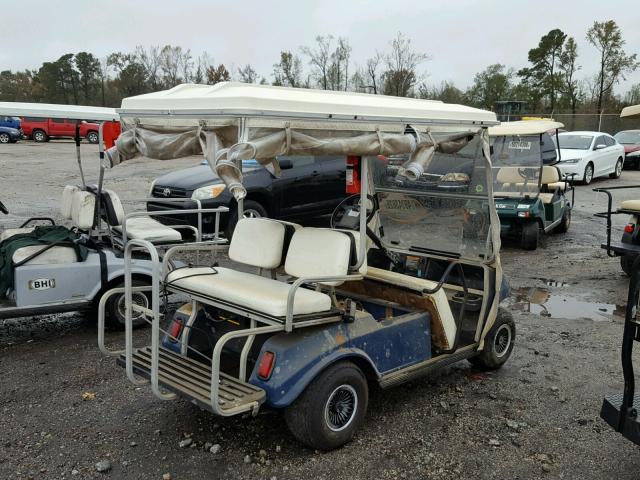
(590, 155)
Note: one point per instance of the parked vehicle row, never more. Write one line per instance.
(588, 155)
(41, 129)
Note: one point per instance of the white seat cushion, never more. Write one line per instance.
(52, 256)
(319, 252)
(66, 202)
(546, 197)
(258, 293)
(557, 185)
(258, 242)
(83, 209)
(10, 232)
(146, 228)
(630, 205)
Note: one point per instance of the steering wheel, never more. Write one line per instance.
(528, 173)
(347, 214)
(3, 209)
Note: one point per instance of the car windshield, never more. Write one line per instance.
(444, 210)
(628, 138)
(575, 142)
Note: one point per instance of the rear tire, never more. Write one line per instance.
(530, 233)
(252, 209)
(498, 344)
(587, 177)
(626, 262)
(92, 137)
(565, 223)
(115, 307)
(331, 409)
(618, 171)
(39, 136)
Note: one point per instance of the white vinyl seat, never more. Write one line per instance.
(142, 228)
(57, 255)
(630, 205)
(260, 242)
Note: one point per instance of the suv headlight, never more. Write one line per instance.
(210, 191)
(570, 160)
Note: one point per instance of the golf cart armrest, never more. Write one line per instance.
(303, 281)
(38, 219)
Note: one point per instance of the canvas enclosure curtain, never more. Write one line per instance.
(224, 153)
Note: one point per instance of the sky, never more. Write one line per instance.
(461, 37)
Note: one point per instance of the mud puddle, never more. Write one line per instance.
(549, 303)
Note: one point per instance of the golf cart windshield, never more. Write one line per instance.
(445, 210)
(517, 162)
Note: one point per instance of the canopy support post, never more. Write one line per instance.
(100, 176)
(78, 156)
(364, 201)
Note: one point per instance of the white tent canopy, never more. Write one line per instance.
(242, 99)
(630, 112)
(49, 110)
(524, 127)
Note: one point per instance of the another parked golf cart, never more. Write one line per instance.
(392, 291)
(620, 410)
(531, 195)
(47, 268)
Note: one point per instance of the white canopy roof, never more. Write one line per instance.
(232, 99)
(49, 110)
(632, 111)
(524, 127)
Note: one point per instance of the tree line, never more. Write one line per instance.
(552, 81)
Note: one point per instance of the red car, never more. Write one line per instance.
(42, 129)
(630, 139)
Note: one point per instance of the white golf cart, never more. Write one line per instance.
(47, 268)
(403, 283)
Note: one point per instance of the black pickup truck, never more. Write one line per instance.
(308, 187)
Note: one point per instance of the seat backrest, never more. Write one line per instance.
(508, 175)
(67, 200)
(83, 208)
(259, 242)
(113, 209)
(322, 252)
(550, 174)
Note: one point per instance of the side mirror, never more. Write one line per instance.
(600, 146)
(285, 164)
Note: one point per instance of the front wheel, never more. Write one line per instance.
(626, 262)
(331, 409)
(530, 232)
(618, 171)
(498, 344)
(92, 137)
(588, 174)
(5, 138)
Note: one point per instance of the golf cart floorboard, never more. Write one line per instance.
(191, 379)
(610, 413)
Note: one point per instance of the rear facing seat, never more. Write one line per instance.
(262, 243)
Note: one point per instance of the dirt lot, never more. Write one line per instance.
(535, 418)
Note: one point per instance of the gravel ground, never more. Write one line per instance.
(65, 407)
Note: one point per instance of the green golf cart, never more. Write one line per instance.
(530, 192)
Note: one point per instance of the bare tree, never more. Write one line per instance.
(288, 72)
(372, 73)
(150, 60)
(338, 70)
(402, 64)
(217, 75)
(319, 59)
(248, 74)
(606, 37)
(174, 62)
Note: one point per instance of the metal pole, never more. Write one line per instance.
(78, 155)
(600, 122)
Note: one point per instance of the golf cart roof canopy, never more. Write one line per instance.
(630, 112)
(234, 99)
(524, 127)
(49, 110)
